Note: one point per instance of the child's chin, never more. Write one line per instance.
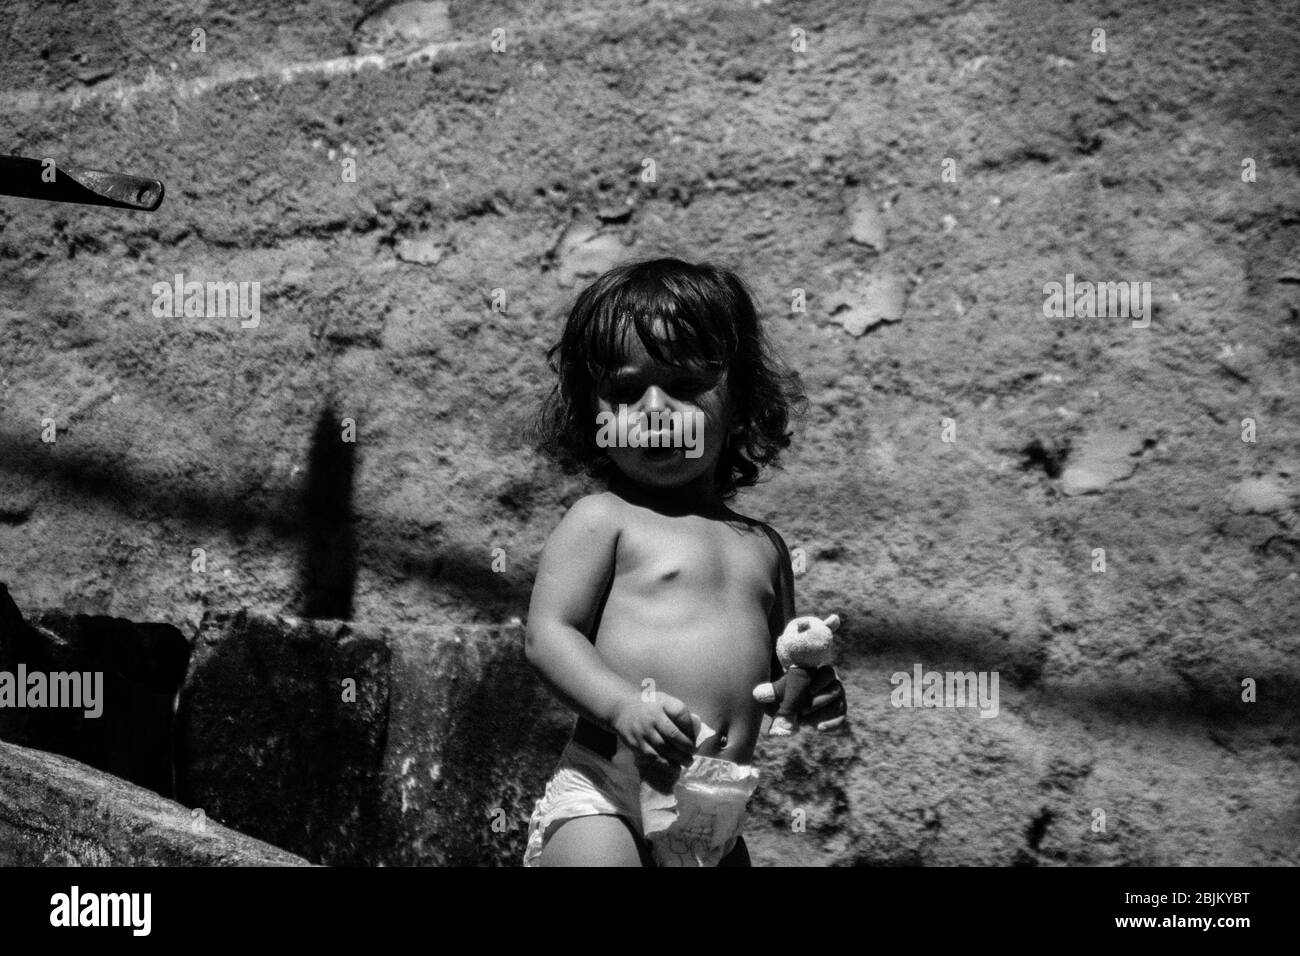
(661, 471)
(660, 479)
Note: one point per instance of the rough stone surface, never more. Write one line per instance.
(1173, 774)
(1260, 496)
(57, 812)
(584, 252)
(415, 21)
(438, 759)
(1103, 458)
(880, 298)
(866, 226)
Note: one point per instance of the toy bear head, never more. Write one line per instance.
(806, 641)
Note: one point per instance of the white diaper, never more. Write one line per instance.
(695, 823)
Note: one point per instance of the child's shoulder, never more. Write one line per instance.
(601, 507)
(591, 523)
(782, 552)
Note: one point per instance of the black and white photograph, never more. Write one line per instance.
(843, 434)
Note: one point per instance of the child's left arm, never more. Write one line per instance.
(828, 709)
(783, 606)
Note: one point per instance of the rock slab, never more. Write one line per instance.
(57, 812)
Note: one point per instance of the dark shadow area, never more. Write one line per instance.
(1158, 693)
(142, 668)
(274, 741)
(329, 563)
(460, 571)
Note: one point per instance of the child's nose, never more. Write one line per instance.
(654, 399)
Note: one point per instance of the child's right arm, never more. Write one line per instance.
(576, 566)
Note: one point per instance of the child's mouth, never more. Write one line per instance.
(659, 454)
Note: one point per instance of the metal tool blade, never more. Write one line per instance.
(30, 179)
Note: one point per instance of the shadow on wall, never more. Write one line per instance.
(329, 561)
(321, 517)
(1188, 700)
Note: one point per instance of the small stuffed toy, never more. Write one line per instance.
(803, 646)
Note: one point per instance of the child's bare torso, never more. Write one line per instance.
(688, 608)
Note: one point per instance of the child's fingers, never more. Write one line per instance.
(677, 744)
(677, 712)
(827, 717)
(825, 678)
(827, 695)
(674, 734)
(680, 715)
(651, 744)
(831, 697)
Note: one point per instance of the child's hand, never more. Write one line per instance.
(660, 727)
(827, 709)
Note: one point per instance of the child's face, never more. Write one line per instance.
(646, 387)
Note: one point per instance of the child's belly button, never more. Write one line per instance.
(723, 734)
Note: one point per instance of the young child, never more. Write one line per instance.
(656, 606)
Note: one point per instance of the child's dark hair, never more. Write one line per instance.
(707, 313)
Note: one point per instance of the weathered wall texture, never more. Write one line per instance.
(1121, 691)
